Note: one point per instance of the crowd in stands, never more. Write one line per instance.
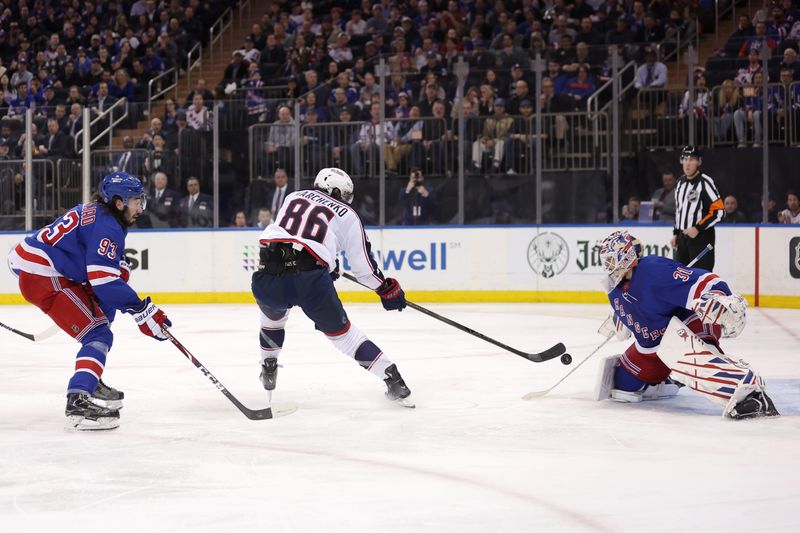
(59, 56)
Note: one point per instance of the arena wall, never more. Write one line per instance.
(451, 264)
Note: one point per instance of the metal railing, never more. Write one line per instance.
(160, 90)
(120, 106)
(242, 6)
(192, 64)
(216, 33)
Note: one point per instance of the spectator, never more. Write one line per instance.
(128, 159)
(790, 215)
(156, 127)
(419, 202)
(589, 34)
(621, 34)
(239, 220)
(251, 54)
(102, 101)
(772, 210)
(630, 211)
(236, 71)
(167, 50)
(650, 33)
(790, 62)
(758, 40)
(356, 25)
(264, 218)
(152, 62)
(732, 214)
(55, 145)
(519, 146)
(22, 75)
(555, 105)
(744, 75)
(22, 102)
(559, 29)
(372, 136)
(664, 198)
(744, 30)
(201, 89)
(486, 100)
(162, 208)
(198, 116)
(8, 91)
(196, 209)
(343, 137)
(555, 74)
(750, 112)
(520, 94)
(74, 120)
(281, 189)
(492, 138)
(169, 118)
(727, 103)
(652, 74)
(281, 141)
(581, 87)
(510, 53)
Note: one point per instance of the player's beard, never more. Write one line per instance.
(127, 218)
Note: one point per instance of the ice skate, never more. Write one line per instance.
(84, 414)
(109, 397)
(659, 391)
(755, 405)
(397, 390)
(269, 373)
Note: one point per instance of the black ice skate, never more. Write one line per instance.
(755, 405)
(269, 373)
(109, 396)
(83, 414)
(396, 387)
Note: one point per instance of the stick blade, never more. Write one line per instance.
(535, 394)
(551, 353)
(273, 411)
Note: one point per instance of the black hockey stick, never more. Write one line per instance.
(253, 414)
(46, 334)
(537, 357)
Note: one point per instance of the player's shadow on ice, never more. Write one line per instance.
(784, 392)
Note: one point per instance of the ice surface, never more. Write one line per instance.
(473, 456)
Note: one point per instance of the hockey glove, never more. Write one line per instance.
(151, 320)
(728, 312)
(614, 326)
(392, 295)
(335, 273)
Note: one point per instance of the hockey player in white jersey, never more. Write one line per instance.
(298, 266)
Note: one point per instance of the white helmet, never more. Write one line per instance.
(330, 179)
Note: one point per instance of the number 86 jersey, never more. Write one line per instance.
(85, 245)
(324, 226)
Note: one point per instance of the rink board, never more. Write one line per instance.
(452, 264)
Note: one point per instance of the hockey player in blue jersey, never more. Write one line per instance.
(676, 316)
(74, 271)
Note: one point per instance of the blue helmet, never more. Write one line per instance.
(120, 184)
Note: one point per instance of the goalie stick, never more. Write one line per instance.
(538, 394)
(537, 357)
(272, 411)
(35, 337)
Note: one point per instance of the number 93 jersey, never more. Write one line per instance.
(325, 226)
(85, 245)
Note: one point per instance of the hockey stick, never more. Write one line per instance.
(538, 394)
(537, 357)
(35, 337)
(282, 409)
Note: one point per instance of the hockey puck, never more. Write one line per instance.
(566, 359)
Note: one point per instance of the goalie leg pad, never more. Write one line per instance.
(704, 369)
(605, 377)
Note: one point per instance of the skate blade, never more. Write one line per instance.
(405, 402)
(81, 423)
(283, 408)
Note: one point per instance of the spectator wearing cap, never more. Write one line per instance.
(492, 138)
(652, 74)
(341, 52)
(22, 74)
(519, 146)
(432, 64)
(377, 22)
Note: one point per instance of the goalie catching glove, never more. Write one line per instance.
(151, 320)
(392, 295)
(728, 312)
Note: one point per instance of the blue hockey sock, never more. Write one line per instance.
(624, 380)
(271, 342)
(89, 365)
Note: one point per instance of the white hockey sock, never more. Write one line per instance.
(272, 335)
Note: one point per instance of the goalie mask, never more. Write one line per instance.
(619, 252)
(335, 179)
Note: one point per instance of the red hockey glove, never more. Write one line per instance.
(151, 320)
(392, 295)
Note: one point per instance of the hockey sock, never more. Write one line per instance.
(89, 365)
(272, 335)
(624, 380)
(354, 343)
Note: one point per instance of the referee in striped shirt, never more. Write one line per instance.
(698, 209)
